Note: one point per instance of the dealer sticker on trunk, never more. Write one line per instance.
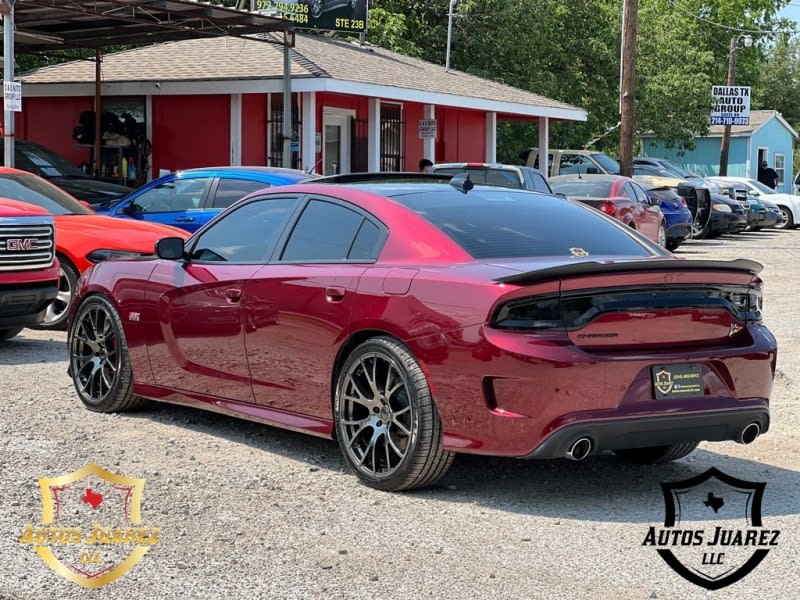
(677, 381)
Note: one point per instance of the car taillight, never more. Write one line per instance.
(683, 201)
(608, 208)
(529, 313)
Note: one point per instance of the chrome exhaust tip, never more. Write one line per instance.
(749, 433)
(579, 449)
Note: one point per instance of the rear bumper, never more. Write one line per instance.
(679, 231)
(713, 426)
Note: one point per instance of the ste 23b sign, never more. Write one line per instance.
(332, 15)
(731, 105)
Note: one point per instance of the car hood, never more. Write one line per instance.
(780, 197)
(92, 191)
(116, 234)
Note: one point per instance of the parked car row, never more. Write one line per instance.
(376, 304)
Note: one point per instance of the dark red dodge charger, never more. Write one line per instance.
(412, 320)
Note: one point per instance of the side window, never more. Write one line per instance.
(176, 195)
(627, 190)
(540, 183)
(368, 242)
(231, 190)
(575, 163)
(324, 232)
(246, 234)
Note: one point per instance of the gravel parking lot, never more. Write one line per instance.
(248, 511)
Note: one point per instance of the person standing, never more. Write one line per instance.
(767, 175)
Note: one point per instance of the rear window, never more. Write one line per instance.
(480, 175)
(516, 224)
(582, 188)
(663, 194)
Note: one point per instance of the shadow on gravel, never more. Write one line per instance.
(599, 489)
(27, 351)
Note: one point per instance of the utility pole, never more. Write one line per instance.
(726, 131)
(628, 91)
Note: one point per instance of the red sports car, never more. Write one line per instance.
(619, 197)
(414, 320)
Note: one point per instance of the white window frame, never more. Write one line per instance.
(780, 156)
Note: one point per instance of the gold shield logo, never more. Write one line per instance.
(91, 531)
(663, 381)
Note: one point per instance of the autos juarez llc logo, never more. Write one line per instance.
(91, 531)
(713, 534)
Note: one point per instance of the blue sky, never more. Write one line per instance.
(792, 11)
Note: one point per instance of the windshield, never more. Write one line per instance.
(764, 189)
(33, 190)
(608, 163)
(43, 162)
(673, 168)
(490, 223)
(582, 188)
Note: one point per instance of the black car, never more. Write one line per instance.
(43, 162)
(727, 216)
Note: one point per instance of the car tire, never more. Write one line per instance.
(661, 236)
(673, 244)
(386, 421)
(788, 220)
(7, 334)
(57, 311)
(701, 232)
(657, 454)
(98, 358)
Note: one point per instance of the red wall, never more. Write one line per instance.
(254, 129)
(412, 114)
(50, 121)
(463, 136)
(191, 131)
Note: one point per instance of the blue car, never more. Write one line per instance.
(190, 199)
(676, 213)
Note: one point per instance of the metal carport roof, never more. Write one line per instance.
(45, 24)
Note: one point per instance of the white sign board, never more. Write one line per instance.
(731, 105)
(12, 96)
(427, 129)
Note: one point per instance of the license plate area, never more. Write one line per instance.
(677, 381)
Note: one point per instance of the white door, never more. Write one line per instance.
(336, 142)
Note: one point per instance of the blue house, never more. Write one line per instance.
(768, 137)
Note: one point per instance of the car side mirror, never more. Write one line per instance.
(131, 208)
(170, 248)
(653, 201)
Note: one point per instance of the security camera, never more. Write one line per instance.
(158, 85)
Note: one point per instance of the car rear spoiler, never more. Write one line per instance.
(606, 267)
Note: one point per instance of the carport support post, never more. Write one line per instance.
(286, 162)
(8, 75)
(98, 116)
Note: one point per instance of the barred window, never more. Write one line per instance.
(391, 137)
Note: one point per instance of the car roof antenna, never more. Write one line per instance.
(462, 182)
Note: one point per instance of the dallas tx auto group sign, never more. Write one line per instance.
(731, 105)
